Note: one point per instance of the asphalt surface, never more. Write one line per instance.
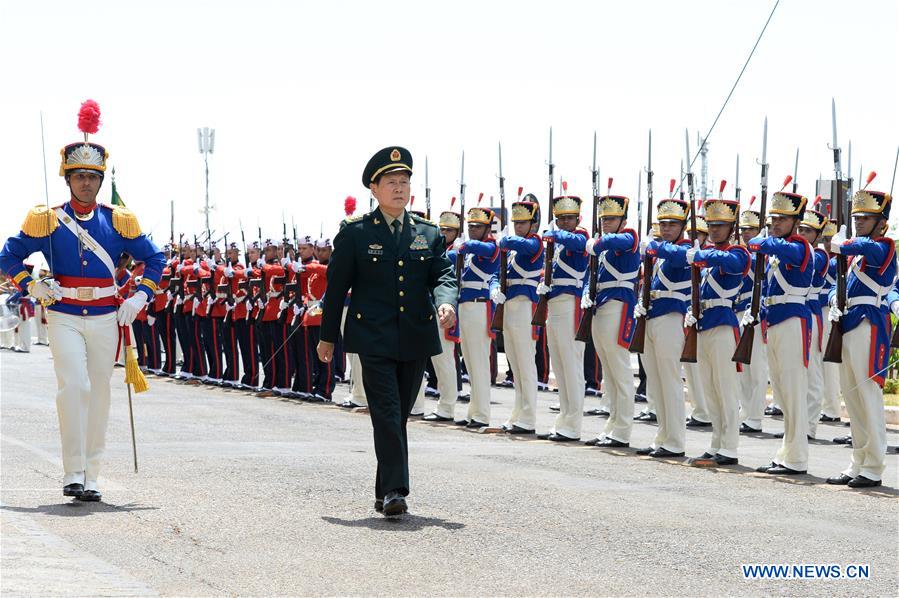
(239, 495)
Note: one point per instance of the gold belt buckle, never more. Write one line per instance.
(85, 293)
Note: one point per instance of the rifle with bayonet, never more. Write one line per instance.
(499, 310)
(639, 339)
(743, 354)
(585, 326)
(427, 192)
(834, 351)
(460, 259)
(689, 353)
(539, 318)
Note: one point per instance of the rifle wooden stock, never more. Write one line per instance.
(539, 318)
(833, 353)
(743, 353)
(638, 340)
(585, 327)
(689, 354)
(497, 323)
(499, 311)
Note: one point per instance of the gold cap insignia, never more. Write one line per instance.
(749, 219)
(870, 202)
(672, 209)
(480, 216)
(567, 205)
(395, 155)
(449, 220)
(787, 204)
(814, 219)
(613, 205)
(721, 210)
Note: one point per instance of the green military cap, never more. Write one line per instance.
(389, 159)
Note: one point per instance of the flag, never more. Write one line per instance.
(116, 198)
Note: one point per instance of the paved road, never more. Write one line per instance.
(250, 496)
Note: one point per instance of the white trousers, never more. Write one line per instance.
(864, 402)
(813, 397)
(661, 360)
(357, 394)
(23, 335)
(718, 372)
(445, 368)
(418, 408)
(830, 402)
(476, 351)
(695, 392)
(567, 358)
(40, 314)
(521, 348)
(754, 381)
(617, 374)
(83, 350)
(789, 383)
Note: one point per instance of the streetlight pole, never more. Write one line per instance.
(206, 144)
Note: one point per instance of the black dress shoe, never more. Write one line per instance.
(599, 412)
(394, 504)
(593, 392)
(90, 496)
(591, 442)
(645, 451)
(828, 420)
(663, 453)
(695, 423)
(555, 437)
(611, 443)
(863, 482)
(461, 422)
(746, 429)
(784, 470)
(464, 398)
(722, 460)
(640, 398)
(706, 455)
(75, 490)
(765, 468)
(516, 429)
(474, 425)
(646, 417)
(839, 480)
(379, 505)
(773, 411)
(433, 417)
(778, 435)
(555, 408)
(843, 440)
(506, 384)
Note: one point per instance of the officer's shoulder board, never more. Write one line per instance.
(124, 221)
(419, 220)
(40, 222)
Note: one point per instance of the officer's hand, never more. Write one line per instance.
(748, 319)
(691, 253)
(129, 309)
(586, 301)
(446, 316)
(644, 243)
(542, 289)
(46, 290)
(591, 246)
(639, 310)
(689, 320)
(229, 271)
(497, 296)
(325, 351)
(836, 242)
(834, 314)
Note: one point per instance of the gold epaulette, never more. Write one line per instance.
(40, 222)
(125, 222)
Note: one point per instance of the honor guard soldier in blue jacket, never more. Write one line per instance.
(871, 295)
(525, 265)
(563, 314)
(476, 312)
(402, 282)
(811, 228)
(788, 319)
(669, 297)
(725, 265)
(613, 324)
(83, 242)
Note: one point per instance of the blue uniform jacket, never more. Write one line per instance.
(74, 267)
(524, 267)
(789, 275)
(618, 253)
(670, 288)
(479, 269)
(570, 255)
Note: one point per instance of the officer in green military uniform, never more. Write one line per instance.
(396, 265)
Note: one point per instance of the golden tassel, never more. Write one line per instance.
(133, 375)
(125, 222)
(40, 222)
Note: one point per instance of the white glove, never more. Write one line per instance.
(836, 242)
(834, 314)
(298, 266)
(260, 263)
(180, 267)
(497, 296)
(894, 307)
(209, 301)
(644, 243)
(129, 309)
(178, 301)
(196, 267)
(210, 263)
(297, 310)
(457, 244)
(591, 246)
(285, 261)
(282, 305)
(689, 320)
(228, 307)
(260, 304)
(46, 290)
(542, 289)
(748, 319)
(639, 310)
(193, 308)
(151, 320)
(229, 271)
(691, 253)
(168, 296)
(586, 301)
(168, 262)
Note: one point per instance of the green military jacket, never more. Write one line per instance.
(395, 288)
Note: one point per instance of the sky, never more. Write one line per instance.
(301, 94)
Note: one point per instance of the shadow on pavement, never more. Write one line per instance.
(76, 508)
(407, 523)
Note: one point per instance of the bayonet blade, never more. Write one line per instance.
(796, 169)
(649, 161)
(765, 142)
(833, 114)
(737, 177)
(594, 151)
(500, 159)
(550, 147)
(687, 149)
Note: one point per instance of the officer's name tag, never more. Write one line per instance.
(375, 249)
